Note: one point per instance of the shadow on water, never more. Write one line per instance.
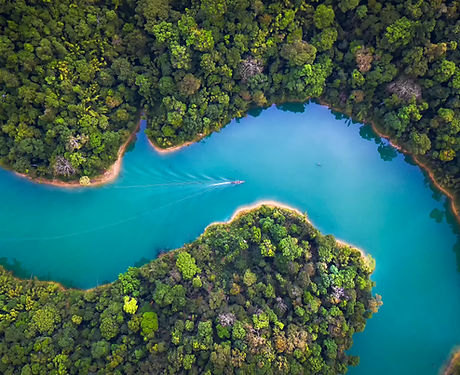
(366, 132)
(141, 262)
(437, 215)
(255, 112)
(132, 144)
(16, 267)
(453, 223)
(386, 151)
(18, 270)
(446, 213)
(292, 107)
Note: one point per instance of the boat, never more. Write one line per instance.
(237, 182)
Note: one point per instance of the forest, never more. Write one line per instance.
(73, 76)
(264, 294)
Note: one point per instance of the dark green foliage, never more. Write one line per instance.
(72, 77)
(292, 312)
(67, 95)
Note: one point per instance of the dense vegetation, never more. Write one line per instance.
(64, 108)
(264, 294)
(71, 76)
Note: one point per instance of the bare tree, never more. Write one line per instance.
(405, 88)
(338, 292)
(250, 67)
(63, 167)
(227, 319)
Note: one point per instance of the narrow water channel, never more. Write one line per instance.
(350, 182)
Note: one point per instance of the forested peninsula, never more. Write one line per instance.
(263, 294)
(73, 75)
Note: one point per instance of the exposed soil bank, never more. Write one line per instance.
(112, 173)
(274, 204)
(236, 215)
(108, 176)
(455, 359)
(426, 168)
(447, 192)
(175, 148)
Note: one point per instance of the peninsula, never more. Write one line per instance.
(264, 291)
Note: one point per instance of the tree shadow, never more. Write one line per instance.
(387, 152)
(19, 271)
(454, 225)
(292, 107)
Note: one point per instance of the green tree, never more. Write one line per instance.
(149, 324)
(45, 319)
(187, 265)
(100, 349)
(400, 33)
(444, 70)
(130, 305)
(249, 277)
(419, 143)
(299, 53)
(109, 328)
(324, 16)
(267, 249)
(289, 248)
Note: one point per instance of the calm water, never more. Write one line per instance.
(350, 183)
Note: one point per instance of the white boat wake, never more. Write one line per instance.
(236, 182)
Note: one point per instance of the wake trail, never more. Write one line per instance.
(188, 183)
(158, 185)
(92, 230)
(221, 183)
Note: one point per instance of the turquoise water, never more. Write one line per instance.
(351, 183)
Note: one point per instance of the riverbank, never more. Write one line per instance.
(423, 166)
(238, 213)
(453, 363)
(275, 204)
(450, 195)
(108, 176)
(175, 148)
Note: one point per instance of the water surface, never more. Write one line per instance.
(350, 182)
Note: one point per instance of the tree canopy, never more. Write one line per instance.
(72, 78)
(220, 305)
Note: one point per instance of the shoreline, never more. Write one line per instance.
(275, 204)
(423, 166)
(108, 176)
(240, 211)
(454, 358)
(455, 209)
(170, 150)
(112, 173)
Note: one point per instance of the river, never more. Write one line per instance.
(350, 182)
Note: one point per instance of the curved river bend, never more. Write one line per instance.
(350, 183)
